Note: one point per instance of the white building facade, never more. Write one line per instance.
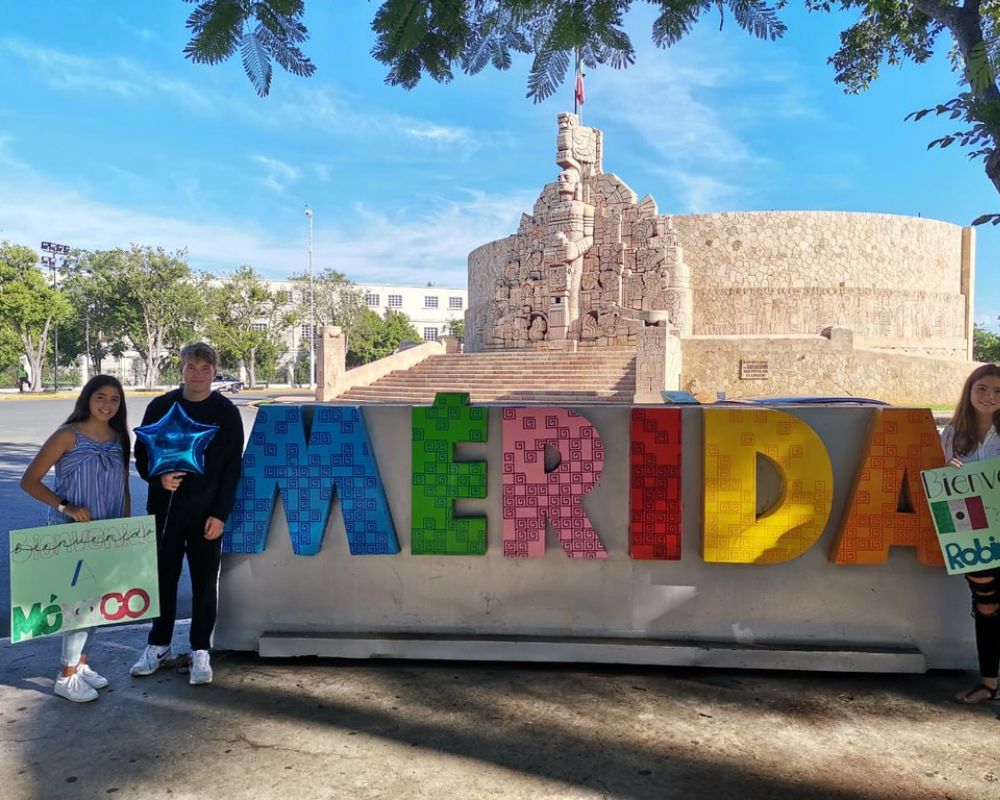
(431, 309)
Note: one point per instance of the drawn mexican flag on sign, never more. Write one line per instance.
(952, 516)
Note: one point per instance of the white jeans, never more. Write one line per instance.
(74, 644)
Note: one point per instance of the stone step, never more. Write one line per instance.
(563, 358)
(518, 376)
(544, 400)
(397, 391)
(535, 377)
(530, 358)
(520, 380)
(413, 381)
(555, 366)
(370, 392)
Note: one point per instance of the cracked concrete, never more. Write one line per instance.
(374, 729)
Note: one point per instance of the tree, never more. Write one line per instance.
(339, 301)
(433, 37)
(456, 328)
(376, 337)
(985, 345)
(158, 303)
(28, 304)
(245, 319)
(96, 326)
(893, 32)
(10, 348)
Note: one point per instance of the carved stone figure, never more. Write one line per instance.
(590, 259)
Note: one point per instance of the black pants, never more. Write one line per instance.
(987, 626)
(186, 536)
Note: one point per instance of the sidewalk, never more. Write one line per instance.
(372, 729)
(286, 394)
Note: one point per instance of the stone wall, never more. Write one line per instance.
(593, 265)
(815, 365)
(486, 265)
(887, 277)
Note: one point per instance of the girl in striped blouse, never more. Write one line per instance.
(90, 453)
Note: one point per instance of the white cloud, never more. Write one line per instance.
(143, 33)
(700, 193)
(118, 76)
(331, 110)
(277, 174)
(437, 133)
(403, 246)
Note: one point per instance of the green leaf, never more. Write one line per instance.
(215, 26)
(256, 64)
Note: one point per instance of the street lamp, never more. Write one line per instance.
(312, 306)
(50, 261)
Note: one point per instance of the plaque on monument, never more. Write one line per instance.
(753, 370)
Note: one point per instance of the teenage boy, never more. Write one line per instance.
(199, 509)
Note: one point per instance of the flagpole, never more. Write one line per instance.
(576, 88)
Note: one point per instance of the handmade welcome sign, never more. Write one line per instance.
(553, 458)
(965, 505)
(66, 577)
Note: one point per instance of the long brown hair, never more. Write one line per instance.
(963, 421)
(118, 423)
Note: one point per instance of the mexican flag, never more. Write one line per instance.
(952, 516)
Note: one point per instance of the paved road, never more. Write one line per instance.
(24, 425)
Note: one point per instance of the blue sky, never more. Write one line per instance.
(109, 136)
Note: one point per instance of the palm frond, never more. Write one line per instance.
(676, 20)
(757, 18)
(548, 71)
(215, 27)
(256, 63)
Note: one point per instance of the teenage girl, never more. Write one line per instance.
(974, 435)
(90, 453)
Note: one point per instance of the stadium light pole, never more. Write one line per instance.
(312, 306)
(50, 261)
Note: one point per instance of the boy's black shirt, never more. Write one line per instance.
(199, 496)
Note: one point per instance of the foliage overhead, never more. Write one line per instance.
(262, 31)
(893, 31)
(434, 37)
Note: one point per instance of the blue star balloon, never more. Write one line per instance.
(176, 443)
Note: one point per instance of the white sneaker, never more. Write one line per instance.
(90, 677)
(152, 659)
(201, 668)
(75, 688)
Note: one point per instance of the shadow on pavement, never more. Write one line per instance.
(332, 729)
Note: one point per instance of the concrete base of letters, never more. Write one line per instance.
(644, 652)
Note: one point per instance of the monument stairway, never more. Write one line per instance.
(510, 376)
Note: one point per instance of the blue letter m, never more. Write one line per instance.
(339, 455)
